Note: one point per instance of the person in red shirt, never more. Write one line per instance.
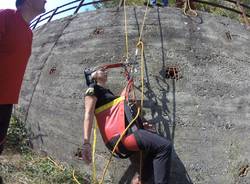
(15, 50)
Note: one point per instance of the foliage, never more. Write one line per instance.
(18, 138)
(115, 3)
(221, 11)
(199, 6)
(32, 168)
(20, 165)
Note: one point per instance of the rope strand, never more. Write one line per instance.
(126, 28)
(187, 8)
(139, 45)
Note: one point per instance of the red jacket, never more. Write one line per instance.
(15, 50)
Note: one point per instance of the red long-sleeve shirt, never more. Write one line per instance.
(15, 50)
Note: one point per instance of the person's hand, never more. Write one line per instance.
(86, 153)
(149, 126)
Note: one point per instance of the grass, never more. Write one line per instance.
(20, 165)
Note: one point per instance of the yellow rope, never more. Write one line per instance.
(139, 45)
(187, 8)
(144, 18)
(126, 28)
(94, 179)
(74, 178)
(58, 166)
(63, 169)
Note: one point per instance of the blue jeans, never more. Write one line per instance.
(165, 2)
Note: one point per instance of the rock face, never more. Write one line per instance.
(206, 112)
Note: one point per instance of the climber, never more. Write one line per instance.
(15, 50)
(97, 99)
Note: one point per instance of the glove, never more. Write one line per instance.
(86, 153)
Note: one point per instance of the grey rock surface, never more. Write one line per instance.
(206, 112)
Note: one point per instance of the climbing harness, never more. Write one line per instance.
(187, 10)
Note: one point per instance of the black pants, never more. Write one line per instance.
(5, 114)
(158, 156)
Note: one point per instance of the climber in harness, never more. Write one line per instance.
(112, 115)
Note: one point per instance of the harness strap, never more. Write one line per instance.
(124, 95)
(108, 105)
(121, 151)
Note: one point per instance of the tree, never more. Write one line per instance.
(115, 3)
(199, 6)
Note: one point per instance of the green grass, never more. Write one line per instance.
(199, 6)
(19, 164)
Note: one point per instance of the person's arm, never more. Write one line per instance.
(90, 102)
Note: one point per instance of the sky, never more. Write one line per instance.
(50, 5)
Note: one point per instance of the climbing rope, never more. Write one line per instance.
(139, 46)
(74, 177)
(143, 22)
(61, 168)
(126, 28)
(187, 10)
(94, 179)
(57, 165)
